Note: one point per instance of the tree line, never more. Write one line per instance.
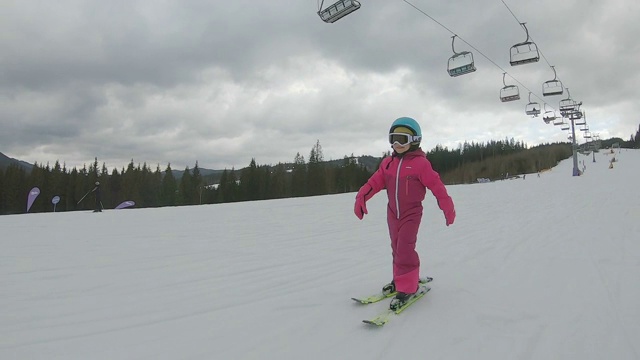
(314, 176)
(157, 188)
(635, 140)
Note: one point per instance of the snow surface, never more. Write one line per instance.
(540, 268)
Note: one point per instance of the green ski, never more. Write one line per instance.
(385, 316)
(381, 296)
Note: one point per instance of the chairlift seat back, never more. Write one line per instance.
(338, 10)
(567, 106)
(552, 87)
(524, 53)
(509, 93)
(549, 116)
(532, 108)
(460, 64)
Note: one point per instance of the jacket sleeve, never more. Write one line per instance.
(431, 180)
(375, 182)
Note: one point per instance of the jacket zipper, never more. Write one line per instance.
(398, 188)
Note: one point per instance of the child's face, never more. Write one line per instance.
(401, 148)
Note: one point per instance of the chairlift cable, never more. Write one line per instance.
(532, 39)
(473, 47)
(493, 62)
(528, 35)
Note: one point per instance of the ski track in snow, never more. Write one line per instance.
(541, 268)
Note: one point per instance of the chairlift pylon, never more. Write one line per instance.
(532, 108)
(568, 105)
(460, 63)
(552, 87)
(338, 10)
(524, 52)
(509, 92)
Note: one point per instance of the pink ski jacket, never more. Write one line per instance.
(406, 179)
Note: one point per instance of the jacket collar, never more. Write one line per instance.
(410, 154)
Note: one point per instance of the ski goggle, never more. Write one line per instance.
(403, 139)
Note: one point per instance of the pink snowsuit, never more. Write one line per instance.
(406, 178)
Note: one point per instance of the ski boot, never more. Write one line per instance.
(401, 299)
(389, 289)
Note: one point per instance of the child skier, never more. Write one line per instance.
(405, 175)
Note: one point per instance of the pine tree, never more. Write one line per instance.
(249, 188)
(16, 189)
(299, 176)
(196, 185)
(2, 205)
(168, 188)
(232, 186)
(222, 187)
(280, 183)
(315, 171)
(185, 194)
(115, 187)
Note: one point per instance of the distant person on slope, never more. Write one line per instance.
(406, 175)
(96, 190)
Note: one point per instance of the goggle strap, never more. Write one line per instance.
(410, 138)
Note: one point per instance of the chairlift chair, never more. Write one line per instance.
(558, 121)
(565, 126)
(581, 119)
(509, 92)
(338, 10)
(460, 63)
(587, 135)
(575, 115)
(549, 115)
(552, 87)
(568, 105)
(532, 108)
(525, 52)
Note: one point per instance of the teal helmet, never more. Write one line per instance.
(408, 123)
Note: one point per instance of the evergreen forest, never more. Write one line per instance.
(494, 160)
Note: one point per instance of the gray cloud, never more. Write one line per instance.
(222, 82)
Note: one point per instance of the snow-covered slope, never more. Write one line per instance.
(541, 268)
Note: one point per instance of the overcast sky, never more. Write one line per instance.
(222, 82)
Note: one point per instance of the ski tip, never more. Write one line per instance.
(426, 279)
(369, 322)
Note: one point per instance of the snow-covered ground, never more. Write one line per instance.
(542, 268)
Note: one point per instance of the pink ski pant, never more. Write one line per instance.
(406, 263)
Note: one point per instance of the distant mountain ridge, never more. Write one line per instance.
(5, 161)
(212, 176)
